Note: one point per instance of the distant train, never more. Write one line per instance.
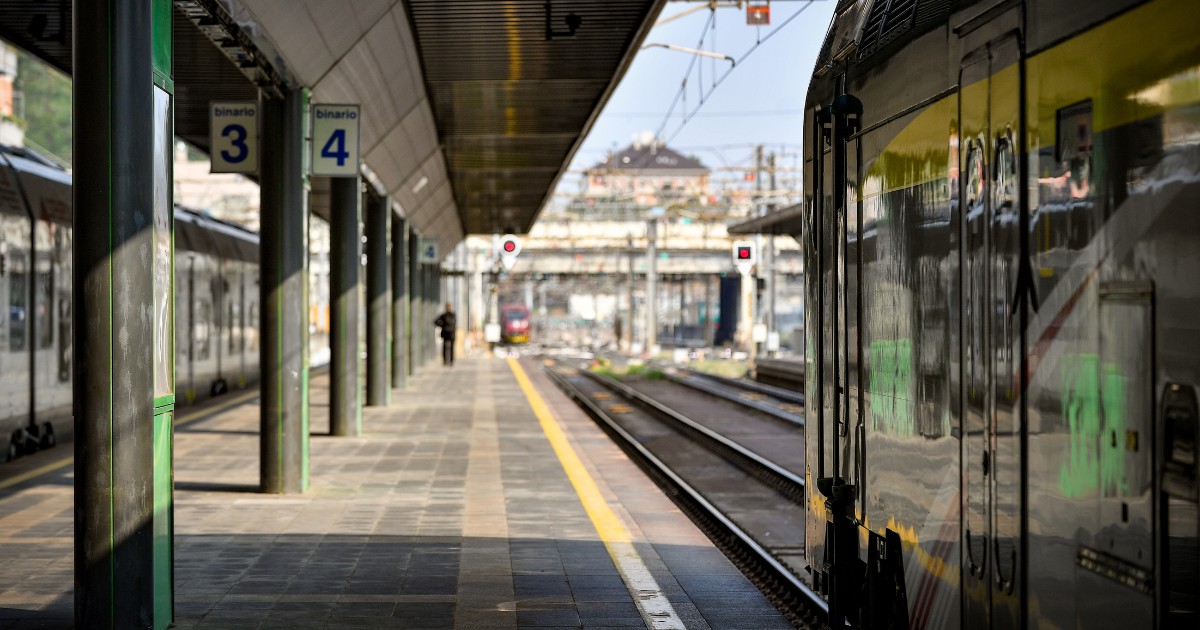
(514, 323)
(1001, 255)
(216, 304)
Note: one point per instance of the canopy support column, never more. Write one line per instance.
(345, 259)
(379, 298)
(283, 287)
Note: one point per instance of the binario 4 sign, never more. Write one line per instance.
(233, 131)
(335, 140)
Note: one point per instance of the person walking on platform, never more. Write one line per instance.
(445, 321)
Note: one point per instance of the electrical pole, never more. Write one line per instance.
(631, 319)
(751, 292)
(769, 260)
(651, 288)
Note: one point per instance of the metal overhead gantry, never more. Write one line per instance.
(470, 112)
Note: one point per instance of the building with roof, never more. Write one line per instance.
(643, 175)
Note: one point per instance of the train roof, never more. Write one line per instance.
(198, 232)
(35, 183)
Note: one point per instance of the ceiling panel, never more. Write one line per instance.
(471, 94)
(512, 105)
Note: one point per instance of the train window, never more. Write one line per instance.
(44, 309)
(251, 326)
(201, 336)
(975, 176)
(1005, 189)
(235, 328)
(17, 312)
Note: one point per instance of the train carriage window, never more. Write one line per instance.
(1004, 194)
(252, 324)
(18, 291)
(44, 309)
(201, 335)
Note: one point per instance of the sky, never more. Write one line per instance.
(760, 101)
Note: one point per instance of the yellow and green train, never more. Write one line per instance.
(1003, 314)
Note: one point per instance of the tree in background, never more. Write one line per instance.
(47, 105)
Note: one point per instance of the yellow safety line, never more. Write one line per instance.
(652, 603)
(603, 518)
(192, 415)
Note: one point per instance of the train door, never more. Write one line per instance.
(231, 295)
(837, 466)
(989, 134)
(250, 340)
(183, 316)
(64, 272)
(15, 390)
(47, 392)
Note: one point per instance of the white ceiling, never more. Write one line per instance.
(363, 52)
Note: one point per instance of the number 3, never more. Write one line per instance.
(238, 143)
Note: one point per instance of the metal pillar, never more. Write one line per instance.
(769, 312)
(632, 304)
(415, 328)
(345, 259)
(283, 252)
(651, 286)
(400, 305)
(441, 296)
(379, 297)
(122, 117)
(769, 260)
(709, 329)
(431, 310)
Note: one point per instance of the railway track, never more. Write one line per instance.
(781, 403)
(724, 470)
(780, 373)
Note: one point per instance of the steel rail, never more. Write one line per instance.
(750, 461)
(686, 493)
(695, 380)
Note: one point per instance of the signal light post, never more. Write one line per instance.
(745, 256)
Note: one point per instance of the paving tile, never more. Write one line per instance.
(451, 511)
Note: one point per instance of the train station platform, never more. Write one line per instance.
(481, 498)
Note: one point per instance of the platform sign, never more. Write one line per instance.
(429, 251)
(233, 136)
(335, 140)
(758, 15)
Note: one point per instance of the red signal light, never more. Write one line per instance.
(509, 246)
(743, 253)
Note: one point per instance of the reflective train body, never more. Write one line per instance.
(1002, 297)
(216, 304)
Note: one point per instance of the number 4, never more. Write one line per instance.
(335, 147)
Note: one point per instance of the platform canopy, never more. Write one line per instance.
(472, 109)
(789, 220)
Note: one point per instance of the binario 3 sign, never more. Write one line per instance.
(233, 136)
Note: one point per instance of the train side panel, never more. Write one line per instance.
(1114, 129)
(1000, 315)
(15, 237)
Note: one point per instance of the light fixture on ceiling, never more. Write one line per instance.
(420, 184)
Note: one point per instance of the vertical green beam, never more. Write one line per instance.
(283, 251)
(122, 133)
(379, 297)
(416, 313)
(434, 308)
(400, 305)
(438, 304)
(345, 259)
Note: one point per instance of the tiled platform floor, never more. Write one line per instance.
(451, 511)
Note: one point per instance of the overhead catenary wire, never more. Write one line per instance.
(683, 87)
(687, 116)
